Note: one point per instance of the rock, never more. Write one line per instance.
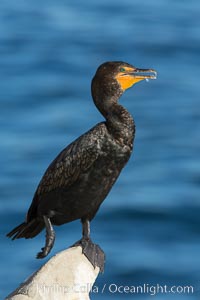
(68, 275)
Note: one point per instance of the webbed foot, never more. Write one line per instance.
(50, 238)
(93, 252)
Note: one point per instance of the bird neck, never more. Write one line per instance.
(119, 121)
(120, 124)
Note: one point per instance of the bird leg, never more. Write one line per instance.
(93, 252)
(50, 238)
(86, 229)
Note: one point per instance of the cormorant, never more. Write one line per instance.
(80, 177)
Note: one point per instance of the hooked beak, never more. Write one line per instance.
(143, 74)
(130, 76)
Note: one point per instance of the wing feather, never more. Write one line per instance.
(75, 159)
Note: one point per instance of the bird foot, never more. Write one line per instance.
(43, 253)
(48, 246)
(93, 252)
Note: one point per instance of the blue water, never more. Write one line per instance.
(149, 225)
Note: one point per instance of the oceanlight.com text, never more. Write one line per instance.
(149, 289)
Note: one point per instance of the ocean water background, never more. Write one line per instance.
(149, 225)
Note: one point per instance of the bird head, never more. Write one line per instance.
(115, 77)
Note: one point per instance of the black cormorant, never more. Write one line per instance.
(80, 177)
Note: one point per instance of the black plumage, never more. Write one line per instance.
(78, 180)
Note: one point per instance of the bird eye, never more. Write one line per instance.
(122, 70)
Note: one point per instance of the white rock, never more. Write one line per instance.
(66, 276)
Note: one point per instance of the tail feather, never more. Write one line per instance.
(26, 230)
